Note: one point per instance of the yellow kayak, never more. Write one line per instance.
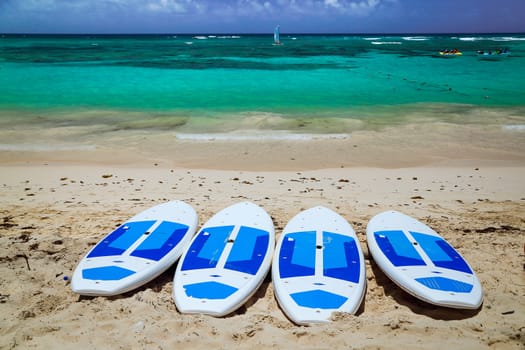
(451, 53)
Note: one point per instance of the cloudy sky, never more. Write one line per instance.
(260, 16)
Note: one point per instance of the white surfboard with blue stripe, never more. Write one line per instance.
(421, 262)
(318, 267)
(137, 251)
(226, 261)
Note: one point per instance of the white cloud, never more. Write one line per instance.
(130, 5)
(253, 6)
(169, 6)
(152, 13)
(353, 7)
(332, 3)
(237, 7)
(318, 7)
(364, 7)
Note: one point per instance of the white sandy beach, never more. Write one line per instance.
(56, 205)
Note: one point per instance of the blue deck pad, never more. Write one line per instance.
(209, 290)
(297, 255)
(398, 249)
(118, 241)
(441, 253)
(207, 248)
(340, 257)
(161, 241)
(248, 251)
(318, 299)
(106, 273)
(445, 284)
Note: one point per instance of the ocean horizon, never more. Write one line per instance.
(261, 33)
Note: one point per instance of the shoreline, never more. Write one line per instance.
(411, 145)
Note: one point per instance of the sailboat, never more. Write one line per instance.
(276, 39)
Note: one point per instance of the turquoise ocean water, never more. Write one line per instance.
(198, 85)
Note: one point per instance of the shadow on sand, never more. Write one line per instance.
(418, 306)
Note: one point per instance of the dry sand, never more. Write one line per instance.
(54, 207)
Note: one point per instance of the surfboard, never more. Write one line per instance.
(226, 261)
(318, 267)
(137, 251)
(422, 262)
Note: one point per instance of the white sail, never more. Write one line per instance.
(276, 35)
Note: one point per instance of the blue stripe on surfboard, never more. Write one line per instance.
(398, 249)
(106, 273)
(207, 248)
(161, 241)
(340, 257)
(121, 239)
(209, 290)
(318, 299)
(297, 254)
(441, 253)
(248, 251)
(445, 284)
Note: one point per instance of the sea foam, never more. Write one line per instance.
(415, 38)
(516, 127)
(386, 43)
(259, 136)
